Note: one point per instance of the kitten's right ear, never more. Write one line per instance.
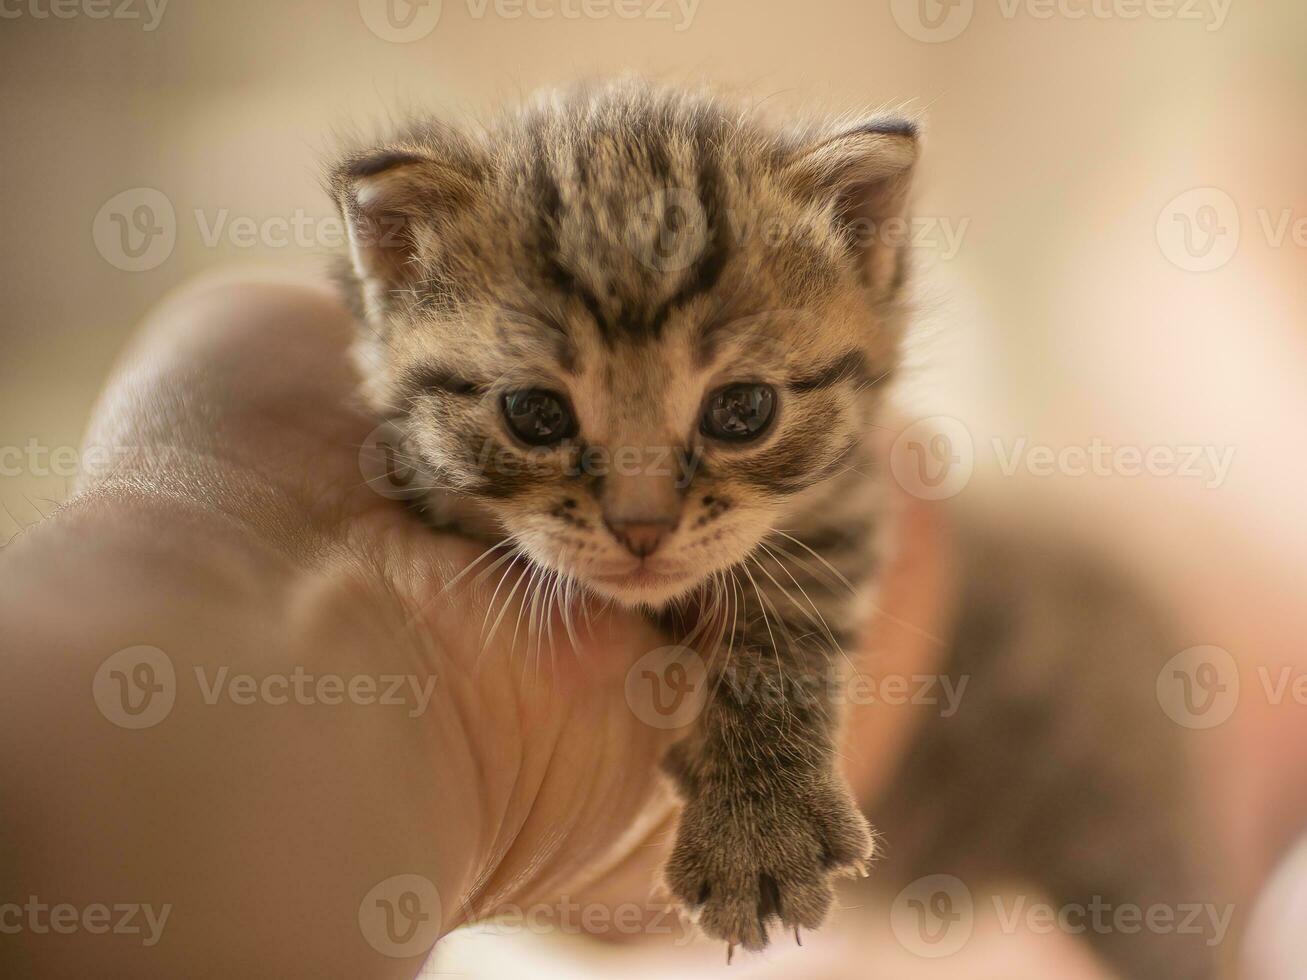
(863, 175)
(394, 202)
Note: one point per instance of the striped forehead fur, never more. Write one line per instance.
(569, 180)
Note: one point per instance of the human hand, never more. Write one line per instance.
(237, 536)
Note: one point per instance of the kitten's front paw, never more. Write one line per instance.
(740, 862)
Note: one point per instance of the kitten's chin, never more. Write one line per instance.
(642, 589)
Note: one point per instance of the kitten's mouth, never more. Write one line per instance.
(642, 584)
(638, 577)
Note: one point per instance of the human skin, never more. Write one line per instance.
(238, 532)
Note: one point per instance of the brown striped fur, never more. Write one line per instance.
(634, 248)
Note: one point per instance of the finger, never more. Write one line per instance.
(906, 635)
(236, 382)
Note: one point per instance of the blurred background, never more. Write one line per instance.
(1111, 235)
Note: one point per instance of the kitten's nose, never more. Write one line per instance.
(641, 537)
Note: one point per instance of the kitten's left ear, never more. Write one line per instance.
(395, 202)
(864, 175)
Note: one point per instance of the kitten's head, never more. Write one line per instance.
(636, 325)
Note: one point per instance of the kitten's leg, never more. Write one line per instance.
(768, 821)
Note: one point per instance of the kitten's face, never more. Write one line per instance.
(629, 329)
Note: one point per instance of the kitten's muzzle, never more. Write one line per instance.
(641, 537)
(641, 509)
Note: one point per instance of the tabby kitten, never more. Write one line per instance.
(645, 335)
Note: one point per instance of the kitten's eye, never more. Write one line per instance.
(538, 417)
(738, 412)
